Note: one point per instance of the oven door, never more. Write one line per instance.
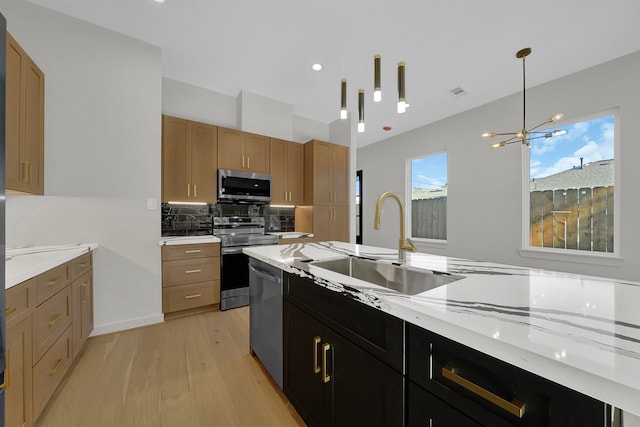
(234, 278)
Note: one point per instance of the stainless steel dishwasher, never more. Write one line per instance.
(265, 316)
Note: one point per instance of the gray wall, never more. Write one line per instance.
(102, 158)
(485, 186)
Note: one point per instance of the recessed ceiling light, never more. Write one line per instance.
(317, 67)
(159, 1)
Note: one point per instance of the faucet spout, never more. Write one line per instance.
(404, 244)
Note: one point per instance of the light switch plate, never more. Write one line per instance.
(152, 203)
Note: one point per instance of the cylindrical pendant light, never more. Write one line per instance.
(377, 92)
(402, 104)
(361, 110)
(343, 99)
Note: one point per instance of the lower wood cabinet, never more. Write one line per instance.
(49, 318)
(190, 276)
(330, 379)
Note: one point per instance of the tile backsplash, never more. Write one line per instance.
(279, 219)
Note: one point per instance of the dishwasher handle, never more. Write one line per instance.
(265, 274)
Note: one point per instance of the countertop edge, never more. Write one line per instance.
(58, 255)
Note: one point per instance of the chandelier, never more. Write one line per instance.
(525, 135)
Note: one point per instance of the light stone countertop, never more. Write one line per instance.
(580, 331)
(24, 263)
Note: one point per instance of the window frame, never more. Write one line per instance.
(574, 255)
(408, 200)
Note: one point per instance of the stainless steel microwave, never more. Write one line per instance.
(243, 187)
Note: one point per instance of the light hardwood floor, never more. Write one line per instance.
(193, 371)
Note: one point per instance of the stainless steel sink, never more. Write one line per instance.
(401, 279)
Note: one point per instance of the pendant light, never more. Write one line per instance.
(377, 92)
(525, 136)
(343, 99)
(402, 104)
(361, 110)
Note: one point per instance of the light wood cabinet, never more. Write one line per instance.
(42, 320)
(326, 173)
(326, 192)
(81, 273)
(190, 276)
(238, 150)
(18, 374)
(287, 172)
(189, 161)
(24, 122)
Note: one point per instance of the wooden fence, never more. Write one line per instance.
(579, 219)
(429, 218)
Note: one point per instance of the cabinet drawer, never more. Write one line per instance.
(79, 266)
(204, 250)
(50, 370)
(192, 295)
(20, 301)
(50, 282)
(185, 271)
(483, 387)
(49, 321)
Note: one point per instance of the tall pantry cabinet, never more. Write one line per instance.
(326, 191)
(24, 122)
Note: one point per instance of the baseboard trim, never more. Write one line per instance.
(127, 324)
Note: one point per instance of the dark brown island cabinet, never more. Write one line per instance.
(349, 364)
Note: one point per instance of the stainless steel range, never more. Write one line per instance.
(235, 233)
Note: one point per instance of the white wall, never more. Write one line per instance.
(102, 158)
(484, 211)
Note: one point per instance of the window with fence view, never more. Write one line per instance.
(571, 198)
(429, 197)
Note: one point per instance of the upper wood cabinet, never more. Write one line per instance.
(25, 122)
(238, 150)
(189, 161)
(326, 171)
(287, 172)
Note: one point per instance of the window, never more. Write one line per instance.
(429, 197)
(571, 188)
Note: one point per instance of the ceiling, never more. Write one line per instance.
(268, 47)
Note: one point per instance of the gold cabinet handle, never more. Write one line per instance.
(325, 377)
(248, 159)
(5, 384)
(83, 264)
(193, 251)
(515, 407)
(195, 191)
(85, 289)
(10, 310)
(24, 172)
(188, 190)
(316, 366)
(243, 162)
(54, 318)
(55, 368)
(193, 296)
(289, 195)
(193, 271)
(54, 281)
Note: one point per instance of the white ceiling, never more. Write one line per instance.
(268, 47)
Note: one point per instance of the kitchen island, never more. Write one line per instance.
(581, 332)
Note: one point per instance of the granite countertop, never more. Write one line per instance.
(580, 331)
(188, 240)
(290, 234)
(24, 263)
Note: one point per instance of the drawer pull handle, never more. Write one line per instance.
(193, 271)
(193, 296)
(515, 407)
(83, 264)
(325, 377)
(193, 251)
(10, 310)
(5, 384)
(316, 366)
(54, 281)
(54, 319)
(55, 368)
(85, 289)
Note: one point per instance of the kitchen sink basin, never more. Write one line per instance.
(401, 279)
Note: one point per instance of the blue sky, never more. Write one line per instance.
(591, 139)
